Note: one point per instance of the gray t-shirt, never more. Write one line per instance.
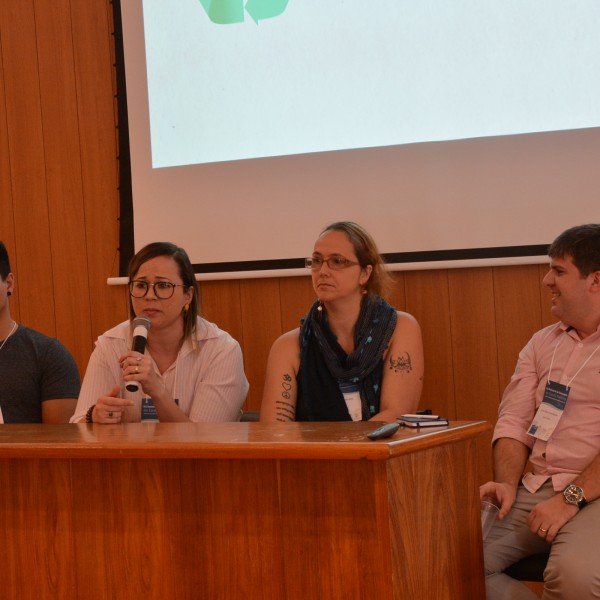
(34, 368)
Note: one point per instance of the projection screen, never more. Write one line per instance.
(457, 133)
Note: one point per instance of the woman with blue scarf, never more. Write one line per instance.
(354, 357)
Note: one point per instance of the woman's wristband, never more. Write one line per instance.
(88, 414)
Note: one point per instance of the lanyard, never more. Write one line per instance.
(585, 362)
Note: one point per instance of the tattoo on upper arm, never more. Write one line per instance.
(401, 364)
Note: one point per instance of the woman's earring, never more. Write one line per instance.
(186, 309)
(320, 307)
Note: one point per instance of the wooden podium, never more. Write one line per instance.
(239, 511)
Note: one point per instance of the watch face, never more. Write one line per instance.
(573, 494)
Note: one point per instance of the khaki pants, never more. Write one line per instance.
(573, 571)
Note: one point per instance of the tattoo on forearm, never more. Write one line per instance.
(286, 386)
(285, 411)
(401, 364)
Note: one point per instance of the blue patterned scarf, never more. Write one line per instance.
(324, 365)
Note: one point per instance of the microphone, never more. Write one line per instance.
(141, 325)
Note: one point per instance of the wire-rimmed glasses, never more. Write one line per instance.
(335, 262)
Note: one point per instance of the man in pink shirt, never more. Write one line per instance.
(549, 425)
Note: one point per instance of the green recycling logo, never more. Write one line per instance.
(226, 12)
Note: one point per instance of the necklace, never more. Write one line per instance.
(11, 332)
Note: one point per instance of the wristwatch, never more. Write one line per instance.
(574, 495)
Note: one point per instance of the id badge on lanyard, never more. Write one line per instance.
(351, 395)
(550, 411)
(149, 413)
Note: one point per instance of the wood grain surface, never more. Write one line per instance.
(239, 510)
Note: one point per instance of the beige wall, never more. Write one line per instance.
(60, 209)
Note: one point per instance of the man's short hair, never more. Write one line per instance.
(4, 262)
(582, 244)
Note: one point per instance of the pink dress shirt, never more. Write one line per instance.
(576, 440)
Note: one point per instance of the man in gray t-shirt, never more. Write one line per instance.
(39, 378)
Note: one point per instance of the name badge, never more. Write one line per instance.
(550, 411)
(149, 414)
(351, 395)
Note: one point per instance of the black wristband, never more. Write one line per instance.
(88, 414)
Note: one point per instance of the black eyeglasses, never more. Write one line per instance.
(335, 262)
(162, 289)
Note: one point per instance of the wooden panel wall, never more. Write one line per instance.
(60, 209)
(58, 167)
